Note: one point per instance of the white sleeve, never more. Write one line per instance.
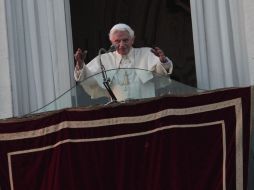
(168, 65)
(89, 84)
(80, 74)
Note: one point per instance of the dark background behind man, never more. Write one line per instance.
(162, 23)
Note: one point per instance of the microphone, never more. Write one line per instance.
(112, 48)
(106, 80)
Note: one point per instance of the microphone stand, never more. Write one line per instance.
(106, 80)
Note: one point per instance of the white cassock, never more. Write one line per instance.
(130, 75)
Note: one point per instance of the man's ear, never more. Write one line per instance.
(133, 40)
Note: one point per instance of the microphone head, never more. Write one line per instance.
(112, 48)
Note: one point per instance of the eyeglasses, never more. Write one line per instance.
(123, 41)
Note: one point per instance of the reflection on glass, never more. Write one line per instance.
(126, 85)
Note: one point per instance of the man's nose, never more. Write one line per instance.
(122, 43)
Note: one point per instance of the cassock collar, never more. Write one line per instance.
(143, 75)
(129, 56)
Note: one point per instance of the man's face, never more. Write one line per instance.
(123, 42)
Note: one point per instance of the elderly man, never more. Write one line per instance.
(132, 83)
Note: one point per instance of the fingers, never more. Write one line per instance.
(154, 52)
(159, 53)
(80, 55)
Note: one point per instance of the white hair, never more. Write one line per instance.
(121, 27)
